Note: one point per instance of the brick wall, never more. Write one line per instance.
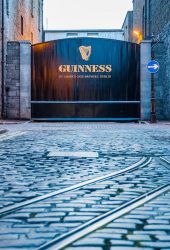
(13, 81)
(0, 55)
(159, 15)
(160, 29)
(157, 26)
(18, 80)
(32, 20)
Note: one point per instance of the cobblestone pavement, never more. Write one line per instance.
(146, 227)
(28, 171)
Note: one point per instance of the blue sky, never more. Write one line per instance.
(87, 14)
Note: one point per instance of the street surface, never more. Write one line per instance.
(30, 169)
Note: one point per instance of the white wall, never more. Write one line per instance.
(110, 34)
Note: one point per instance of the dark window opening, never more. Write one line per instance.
(32, 8)
(143, 21)
(71, 34)
(32, 38)
(22, 25)
(7, 7)
(39, 16)
(93, 34)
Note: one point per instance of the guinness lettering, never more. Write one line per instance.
(85, 68)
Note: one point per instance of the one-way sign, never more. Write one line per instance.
(153, 66)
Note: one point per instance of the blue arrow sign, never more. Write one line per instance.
(153, 66)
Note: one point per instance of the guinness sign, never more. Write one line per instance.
(85, 52)
(85, 68)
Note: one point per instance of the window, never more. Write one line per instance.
(149, 18)
(32, 8)
(39, 15)
(146, 18)
(32, 38)
(143, 21)
(71, 34)
(22, 25)
(93, 34)
(7, 7)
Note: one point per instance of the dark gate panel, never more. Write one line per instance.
(98, 81)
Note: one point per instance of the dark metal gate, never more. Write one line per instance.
(85, 79)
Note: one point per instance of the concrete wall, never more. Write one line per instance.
(145, 76)
(18, 80)
(110, 34)
(25, 80)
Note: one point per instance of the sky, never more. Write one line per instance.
(85, 14)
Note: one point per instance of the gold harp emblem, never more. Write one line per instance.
(85, 52)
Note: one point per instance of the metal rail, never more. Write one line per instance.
(7, 210)
(85, 119)
(84, 102)
(10, 135)
(65, 240)
(165, 160)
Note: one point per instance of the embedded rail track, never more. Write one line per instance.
(144, 193)
(9, 135)
(165, 160)
(142, 163)
(65, 240)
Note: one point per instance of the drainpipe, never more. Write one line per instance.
(2, 63)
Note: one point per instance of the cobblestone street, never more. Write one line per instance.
(114, 195)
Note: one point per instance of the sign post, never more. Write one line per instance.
(153, 67)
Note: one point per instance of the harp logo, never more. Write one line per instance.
(85, 52)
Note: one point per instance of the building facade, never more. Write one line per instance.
(97, 33)
(19, 20)
(128, 27)
(138, 6)
(159, 30)
(151, 21)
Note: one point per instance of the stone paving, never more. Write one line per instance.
(55, 216)
(146, 227)
(28, 171)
